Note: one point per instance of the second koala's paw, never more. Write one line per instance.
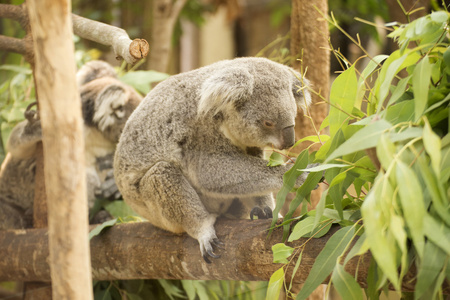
(265, 213)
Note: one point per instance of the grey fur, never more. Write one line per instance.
(106, 103)
(192, 150)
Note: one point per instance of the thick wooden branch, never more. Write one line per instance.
(141, 251)
(130, 50)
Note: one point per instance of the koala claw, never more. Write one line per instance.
(261, 214)
(218, 244)
(211, 254)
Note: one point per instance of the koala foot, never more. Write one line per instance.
(261, 214)
(209, 249)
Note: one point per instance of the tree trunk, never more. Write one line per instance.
(309, 42)
(309, 35)
(61, 121)
(165, 15)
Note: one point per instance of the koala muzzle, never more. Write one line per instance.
(287, 137)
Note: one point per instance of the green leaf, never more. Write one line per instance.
(411, 199)
(281, 252)
(385, 151)
(119, 209)
(275, 284)
(365, 138)
(421, 82)
(310, 184)
(313, 138)
(430, 267)
(342, 99)
(396, 62)
(376, 220)
(289, 180)
(142, 80)
(345, 284)
(189, 288)
(326, 261)
(361, 246)
(306, 228)
(97, 230)
(432, 144)
(399, 90)
(275, 159)
(368, 138)
(437, 232)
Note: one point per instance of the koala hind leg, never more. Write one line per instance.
(173, 204)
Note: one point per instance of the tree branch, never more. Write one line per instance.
(141, 251)
(130, 50)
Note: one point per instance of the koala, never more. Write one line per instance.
(106, 105)
(192, 150)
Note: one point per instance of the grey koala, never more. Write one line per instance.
(193, 149)
(106, 104)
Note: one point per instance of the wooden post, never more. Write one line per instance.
(60, 112)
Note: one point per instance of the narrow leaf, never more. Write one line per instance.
(342, 99)
(101, 227)
(430, 267)
(438, 233)
(421, 82)
(365, 138)
(345, 284)
(432, 144)
(326, 260)
(275, 284)
(411, 199)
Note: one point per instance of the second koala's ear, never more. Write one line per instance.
(110, 105)
(300, 89)
(225, 88)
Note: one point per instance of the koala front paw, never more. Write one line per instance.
(206, 247)
(260, 213)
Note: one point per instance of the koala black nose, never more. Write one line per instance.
(288, 137)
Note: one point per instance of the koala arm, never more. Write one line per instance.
(24, 138)
(241, 175)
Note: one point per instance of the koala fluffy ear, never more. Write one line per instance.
(224, 89)
(300, 89)
(110, 106)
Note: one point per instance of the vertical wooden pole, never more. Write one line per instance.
(309, 35)
(60, 112)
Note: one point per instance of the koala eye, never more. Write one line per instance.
(268, 124)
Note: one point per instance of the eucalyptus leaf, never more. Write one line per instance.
(281, 252)
(275, 284)
(97, 230)
(326, 261)
(421, 81)
(411, 199)
(433, 262)
(345, 284)
(365, 138)
(342, 99)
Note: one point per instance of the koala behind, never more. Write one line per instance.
(193, 149)
(106, 103)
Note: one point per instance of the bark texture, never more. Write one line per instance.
(310, 35)
(165, 15)
(61, 121)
